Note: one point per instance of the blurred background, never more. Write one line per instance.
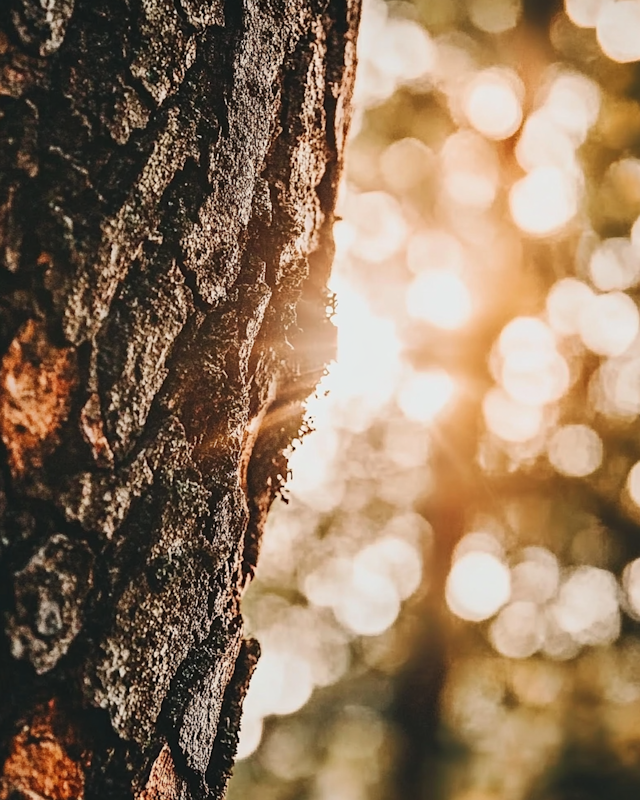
(449, 603)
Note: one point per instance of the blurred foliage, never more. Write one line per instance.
(449, 603)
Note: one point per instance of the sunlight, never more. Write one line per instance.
(368, 359)
(544, 201)
(440, 297)
(492, 103)
(478, 586)
(423, 395)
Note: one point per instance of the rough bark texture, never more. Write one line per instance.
(168, 173)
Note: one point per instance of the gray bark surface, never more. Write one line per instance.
(168, 175)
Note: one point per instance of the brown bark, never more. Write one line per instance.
(168, 174)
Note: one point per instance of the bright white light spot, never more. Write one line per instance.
(617, 387)
(615, 264)
(527, 339)
(395, 559)
(510, 420)
(410, 52)
(518, 630)
(440, 297)
(325, 583)
(250, 736)
(282, 683)
(495, 16)
(368, 604)
(368, 363)
(423, 395)
(536, 386)
(492, 103)
(573, 104)
(544, 201)
(587, 606)
(470, 170)
(565, 302)
(391, 51)
(543, 144)
(631, 584)
(617, 30)
(575, 450)
(532, 370)
(536, 577)
(609, 323)
(478, 586)
(633, 483)
(584, 13)
(478, 541)
(635, 235)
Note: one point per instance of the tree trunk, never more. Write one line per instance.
(168, 178)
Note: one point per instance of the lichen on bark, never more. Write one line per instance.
(168, 176)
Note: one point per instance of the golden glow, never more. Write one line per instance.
(440, 297)
(575, 450)
(544, 201)
(492, 103)
(368, 362)
(617, 28)
(478, 586)
(423, 395)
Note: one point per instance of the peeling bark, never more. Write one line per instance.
(168, 175)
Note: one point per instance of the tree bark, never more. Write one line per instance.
(168, 177)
